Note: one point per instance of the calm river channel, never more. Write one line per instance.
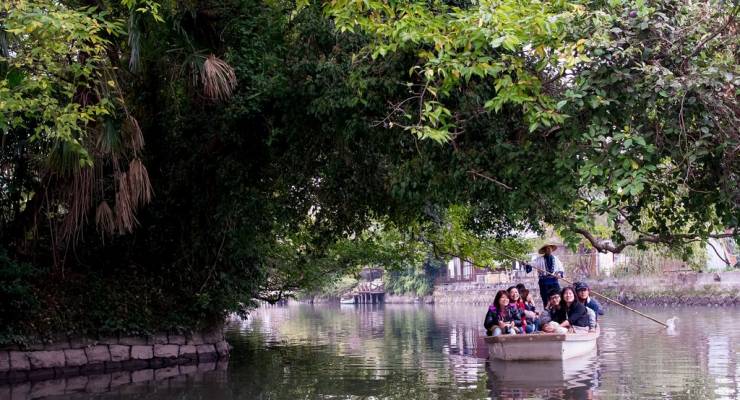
(428, 352)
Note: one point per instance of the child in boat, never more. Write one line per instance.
(502, 317)
(583, 293)
(571, 314)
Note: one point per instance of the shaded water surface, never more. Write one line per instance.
(420, 352)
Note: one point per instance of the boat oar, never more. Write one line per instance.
(603, 297)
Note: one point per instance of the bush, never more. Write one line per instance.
(412, 280)
(18, 302)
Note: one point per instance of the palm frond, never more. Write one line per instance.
(134, 42)
(133, 134)
(104, 219)
(66, 157)
(138, 180)
(109, 141)
(78, 200)
(124, 208)
(218, 78)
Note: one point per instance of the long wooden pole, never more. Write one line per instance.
(603, 297)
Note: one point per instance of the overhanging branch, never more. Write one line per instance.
(604, 246)
(489, 178)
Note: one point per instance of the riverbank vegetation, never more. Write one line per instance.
(164, 163)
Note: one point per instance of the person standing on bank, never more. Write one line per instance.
(547, 261)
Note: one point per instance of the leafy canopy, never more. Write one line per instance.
(634, 102)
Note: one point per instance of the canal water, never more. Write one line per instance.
(428, 352)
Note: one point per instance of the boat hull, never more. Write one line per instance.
(546, 346)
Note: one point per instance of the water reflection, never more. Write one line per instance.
(441, 351)
(118, 383)
(573, 378)
(425, 352)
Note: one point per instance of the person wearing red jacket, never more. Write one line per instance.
(516, 299)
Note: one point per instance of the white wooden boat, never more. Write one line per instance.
(541, 346)
(347, 300)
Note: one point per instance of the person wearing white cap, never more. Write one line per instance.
(547, 261)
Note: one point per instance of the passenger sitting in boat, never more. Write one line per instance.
(528, 300)
(572, 314)
(584, 297)
(502, 317)
(514, 298)
(517, 301)
(591, 319)
(547, 322)
(530, 310)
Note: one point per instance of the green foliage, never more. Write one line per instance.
(647, 108)
(456, 236)
(41, 81)
(255, 197)
(624, 109)
(338, 287)
(303, 175)
(18, 301)
(415, 280)
(459, 46)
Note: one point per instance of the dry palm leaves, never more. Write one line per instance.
(104, 219)
(132, 189)
(133, 134)
(218, 78)
(125, 207)
(138, 181)
(78, 199)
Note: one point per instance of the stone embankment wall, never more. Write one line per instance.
(687, 288)
(407, 299)
(477, 293)
(79, 356)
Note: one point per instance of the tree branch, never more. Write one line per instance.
(714, 34)
(274, 298)
(604, 246)
(437, 253)
(489, 178)
(724, 260)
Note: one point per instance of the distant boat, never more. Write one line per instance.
(541, 346)
(347, 300)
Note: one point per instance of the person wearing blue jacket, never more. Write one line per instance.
(584, 296)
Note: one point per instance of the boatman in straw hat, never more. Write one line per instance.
(547, 261)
